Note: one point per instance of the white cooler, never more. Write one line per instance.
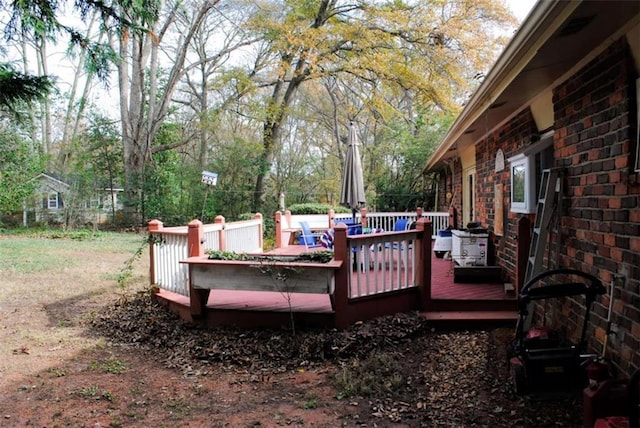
(469, 249)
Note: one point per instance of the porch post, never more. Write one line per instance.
(425, 230)
(278, 221)
(197, 298)
(154, 226)
(195, 239)
(522, 251)
(258, 216)
(287, 215)
(453, 220)
(222, 240)
(363, 217)
(340, 298)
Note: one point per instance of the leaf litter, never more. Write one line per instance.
(395, 369)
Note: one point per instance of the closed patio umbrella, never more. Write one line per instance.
(352, 190)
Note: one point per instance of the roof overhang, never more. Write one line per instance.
(555, 40)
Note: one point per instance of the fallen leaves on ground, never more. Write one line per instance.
(398, 369)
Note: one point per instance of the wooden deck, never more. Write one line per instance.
(450, 301)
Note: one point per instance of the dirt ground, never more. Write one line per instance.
(77, 351)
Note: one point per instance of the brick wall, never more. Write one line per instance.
(594, 112)
(594, 122)
(511, 139)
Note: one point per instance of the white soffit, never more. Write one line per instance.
(633, 37)
(542, 110)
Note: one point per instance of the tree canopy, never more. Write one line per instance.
(260, 91)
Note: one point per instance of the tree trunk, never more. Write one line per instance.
(143, 107)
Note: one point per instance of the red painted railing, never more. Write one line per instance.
(348, 305)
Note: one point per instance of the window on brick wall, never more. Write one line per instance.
(526, 169)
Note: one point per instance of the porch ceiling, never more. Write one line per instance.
(555, 38)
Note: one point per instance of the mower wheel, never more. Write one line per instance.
(518, 378)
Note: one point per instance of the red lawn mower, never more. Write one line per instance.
(543, 363)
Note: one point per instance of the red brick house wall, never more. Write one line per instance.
(594, 114)
(511, 139)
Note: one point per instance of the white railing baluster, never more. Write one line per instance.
(171, 247)
(383, 263)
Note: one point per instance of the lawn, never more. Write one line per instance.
(84, 344)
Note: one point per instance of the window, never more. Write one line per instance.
(52, 201)
(526, 169)
(522, 184)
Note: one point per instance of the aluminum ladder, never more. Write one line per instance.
(549, 203)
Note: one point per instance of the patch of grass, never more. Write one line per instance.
(379, 374)
(178, 407)
(27, 254)
(311, 403)
(112, 365)
(92, 393)
(86, 391)
(57, 372)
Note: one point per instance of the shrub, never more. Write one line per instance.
(316, 208)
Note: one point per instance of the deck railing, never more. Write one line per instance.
(288, 224)
(370, 274)
(381, 263)
(169, 245)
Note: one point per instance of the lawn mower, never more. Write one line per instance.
(543, 363)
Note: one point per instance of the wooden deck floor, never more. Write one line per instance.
(443, 288)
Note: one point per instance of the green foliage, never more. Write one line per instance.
(19, 165)
(18, 89)
(93, 164)
(126, 273)
(237, 163)
(315, 257)
(40, 20)
(403, 186)
(316, 208)
(162, 188)
(111, 365)
(226, 255)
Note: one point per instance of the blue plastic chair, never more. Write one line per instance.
(400, 225)
(307, 237)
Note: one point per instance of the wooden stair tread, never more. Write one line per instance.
(471, 315)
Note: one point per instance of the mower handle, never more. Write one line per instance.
(595, 287)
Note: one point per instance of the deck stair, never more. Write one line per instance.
(469, 304)
(502, 317)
